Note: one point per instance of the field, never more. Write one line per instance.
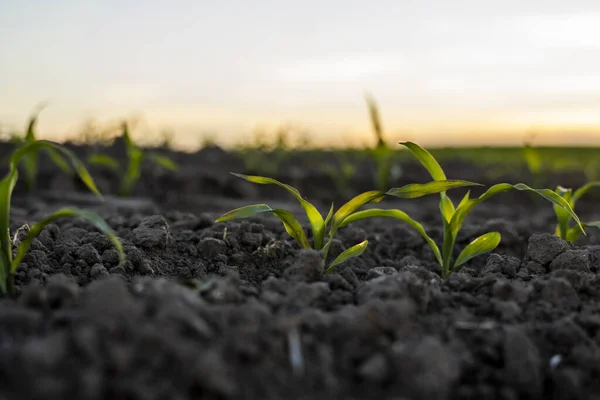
(238, 310)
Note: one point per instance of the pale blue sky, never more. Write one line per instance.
(453, 68)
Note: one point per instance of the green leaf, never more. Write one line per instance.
(533, 159)
(354, 204)
(30, 136)
(244, 212)
(483, 244)
(329, 215)
(397, 214)
(347, 254)
(446, 208)
(164, 162)
(583, 190)
(19, 154)
(89, 216)
(427, 160)
(104, 160)
(315, 218)
(574, 233)
(6, 188)
(462, 211)
(59, 161)
(415, 190)
(292, 227)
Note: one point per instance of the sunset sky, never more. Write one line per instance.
(442, 71)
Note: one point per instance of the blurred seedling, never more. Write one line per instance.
(13, 250)
(131, 173)
(386, 169)
(453, 216)
(31, 160)
(565, 229)
(333, 220)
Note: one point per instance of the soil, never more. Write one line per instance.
(237, 311)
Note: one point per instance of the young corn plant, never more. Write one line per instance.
(335, 220)
(9, 261)
(453, 216)
(565, 229)
(385, 167)
(31, 160)
(131, 173)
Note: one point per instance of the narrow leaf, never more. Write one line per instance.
(483, 244)
(397, 214)
(532, 158)
(415, 190)
(315, 218)
(19, 154)
(372, 196)
(446, 208)
(292, 227)
(427, 160)
(244, 212)
(89, 216)
(104, 160)
(164, 162)
(347, 254)
(59, 161)
(583, 190)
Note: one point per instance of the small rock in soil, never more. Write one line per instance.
(543, 248)
(499, 264)
(308, 266)
(211, 247)
(559, 292)
(152, 232)
(99, 271)
(89, 254)
(576, 260)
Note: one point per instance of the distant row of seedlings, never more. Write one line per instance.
(27, 152)
(128, 174)
(453, 216)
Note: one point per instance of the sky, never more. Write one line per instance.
(443, 73)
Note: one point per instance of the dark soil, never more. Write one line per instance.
(237, 311)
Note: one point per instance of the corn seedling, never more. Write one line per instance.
(564, 227)
(131, 174)
(31, 160)
(335, 220)
(10, 262)
(453, 216)
(385, 167)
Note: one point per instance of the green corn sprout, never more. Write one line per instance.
(9, 263)
(335, 220)
(382, 154)
(453, 216)
(135, 157)
(564, 228)
(31, 160)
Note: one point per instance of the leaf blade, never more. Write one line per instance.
(481, 245)
(347, 254)
(427, 160)
(415, 190)
(244, 212)
(315, 219)
(354, 204)
(293, 227)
